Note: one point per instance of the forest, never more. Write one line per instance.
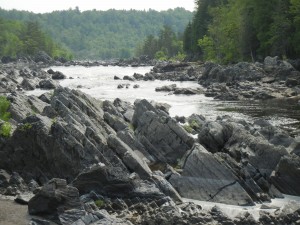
(27, 39)
(103, 34)
(229, 31)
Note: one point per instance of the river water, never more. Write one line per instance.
(99, 82)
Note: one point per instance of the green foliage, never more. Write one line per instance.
(4, 105)
(99, 203)
(193, 124)
(54, 120)
(188, 128)
(5, 129)
(131, 127)
(208, 48)
(103, 34)
(17, 39)
(179, 57)
(232, 30)
(166, 46)
(25, 127)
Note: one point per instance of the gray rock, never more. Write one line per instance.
(117, 123)
(53, 199)
(167, 88)
(128, 137)
(128, 78)
(58, 76)
(4, 178)
(214, 135)
(205, 178)
(47, 84)
(130, 159)
(286, 177)
(187, 91)
(160, 134)
(29, 84)
(38, 221)
(138, 76)
(24, 198)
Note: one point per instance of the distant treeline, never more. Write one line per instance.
(104, 34)
(235, 30)
(27, 39)
(166, 45)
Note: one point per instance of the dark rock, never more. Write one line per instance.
(187, 91)
(180, 119)
(242, 71)
(136, 86)
(205, 178)
(42, 57)
(167, 88)
(128, 137)
(117, 78)
(159, 133)
(23, 199)
(54, 198)
(290, 82)
(161, 68)
(130, 159)
(138, 76)
(213, 136)
(162, 106)
(46, 97)
(47, 84)
(51, 71)
(4, 178)
(115, 182)
(38, 221)
(29, 85)
(286, 177)
(58, 76)
(128, 78)
(117, 123)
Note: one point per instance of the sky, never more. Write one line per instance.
(40, 6)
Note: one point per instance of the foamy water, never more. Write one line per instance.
(99, 82)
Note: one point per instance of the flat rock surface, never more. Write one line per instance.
(12, 213)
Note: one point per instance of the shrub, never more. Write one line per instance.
(4, 105)
(188, 128)
(99, 203)
(5, 129)
(25, 127)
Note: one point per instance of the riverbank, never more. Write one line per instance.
(99, 161)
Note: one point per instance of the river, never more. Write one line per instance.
(99, 82)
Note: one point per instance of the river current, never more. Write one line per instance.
(99, 82)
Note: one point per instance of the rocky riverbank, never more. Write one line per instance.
(77, 160)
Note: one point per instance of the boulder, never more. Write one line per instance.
(47, 84)
(29, 84)
(286, 176)
(159, 133)
(128, 78)
(116, 182)
(43, 57)
(205, 178)
(4, 178)
(138, 76)
(187, 91)
(128, 156)
(58, 76)
(167, 88)
(53, 199)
